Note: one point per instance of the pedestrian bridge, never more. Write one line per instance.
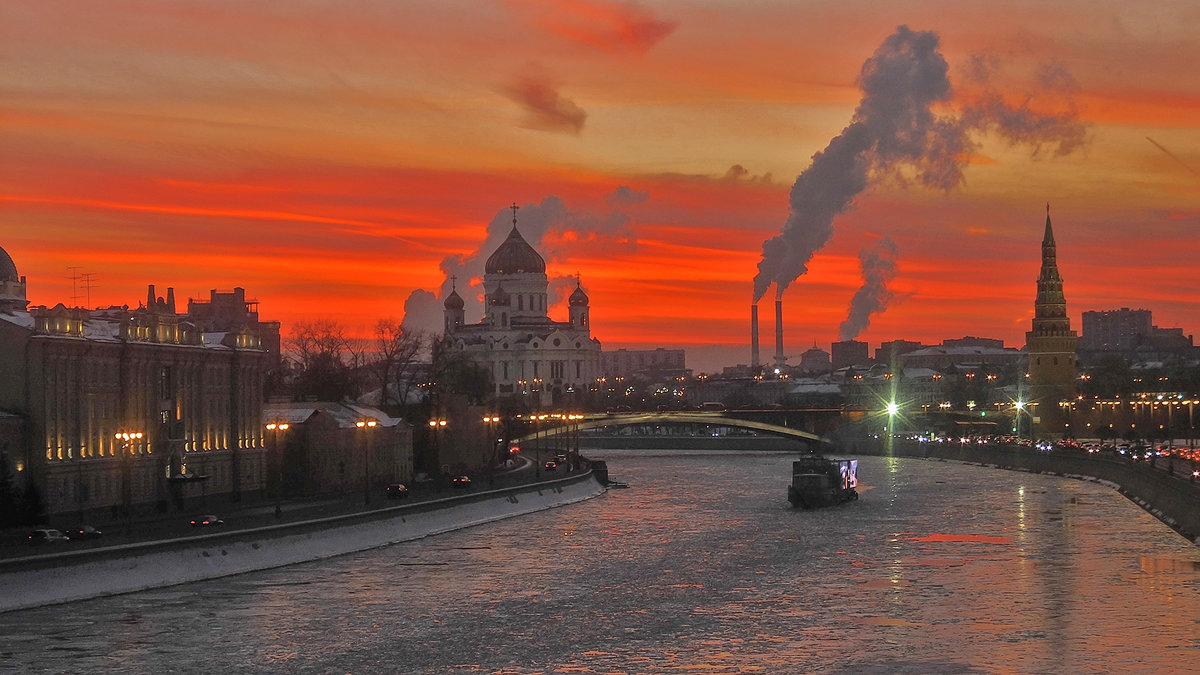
(777, 423)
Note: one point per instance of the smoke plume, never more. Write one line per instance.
(878, 269)
(895, 133)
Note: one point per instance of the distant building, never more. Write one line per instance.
(888, 352)
(230, 311)
(1050, 346)
(123, 408)
(849, 353)
(1128, 331)
(815, 361)
(969, 341)
(324, 450)
(942, 358)
(657, 362)
(531, 356)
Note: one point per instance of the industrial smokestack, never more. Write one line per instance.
(754, 336)
(779, 332)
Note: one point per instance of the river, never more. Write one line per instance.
(701, 566)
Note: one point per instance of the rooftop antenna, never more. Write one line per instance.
(74, 285)
(87, 284)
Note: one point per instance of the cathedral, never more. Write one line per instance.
(547, 363)
(1051, 346)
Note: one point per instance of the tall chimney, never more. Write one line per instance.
(754, 336)
(779, 332)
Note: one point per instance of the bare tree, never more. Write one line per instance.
(325, 360)
(395, 361)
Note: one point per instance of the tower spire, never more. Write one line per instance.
(514, 208)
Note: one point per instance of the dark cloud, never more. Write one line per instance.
(739, 174)
(545, 109)
(627, 196)
(611, 26)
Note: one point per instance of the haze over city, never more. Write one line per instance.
(345, 160)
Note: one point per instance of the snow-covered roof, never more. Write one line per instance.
(345, 414)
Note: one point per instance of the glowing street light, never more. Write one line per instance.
(365, 424)
(276, 428)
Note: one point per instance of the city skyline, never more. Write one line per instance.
(339, 161)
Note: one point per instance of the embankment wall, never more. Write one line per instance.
(51, 579)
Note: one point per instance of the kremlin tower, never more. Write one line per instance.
(1051, 348)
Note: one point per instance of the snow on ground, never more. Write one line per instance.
(246, 551)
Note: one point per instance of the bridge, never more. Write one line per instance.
(797, 424)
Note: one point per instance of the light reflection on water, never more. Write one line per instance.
(700, 566)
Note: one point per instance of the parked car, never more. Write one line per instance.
(397, 491)
(83, 532)
(208, 520)
(461, 482)
(46, 536)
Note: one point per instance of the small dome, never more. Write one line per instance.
(453, 301)
(500, 297)
(8, 269)
(515, 256)
(578, 297)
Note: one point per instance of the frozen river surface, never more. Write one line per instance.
(700, 567)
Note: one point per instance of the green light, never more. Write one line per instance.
(892, 408)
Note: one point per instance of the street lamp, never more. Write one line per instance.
(1019, 406)
(275, 428)
(491, 444)
(366, 424)
(127, 438)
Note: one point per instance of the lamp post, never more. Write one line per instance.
(127, 438)
(276, 428)
(490, 444)
(366, 424)
(434, 426)
(892, 409)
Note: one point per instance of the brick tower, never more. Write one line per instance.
(1051, 347)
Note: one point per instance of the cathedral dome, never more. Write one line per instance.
(453, 301)
(515, 256)
(578, 297)
(8, 269)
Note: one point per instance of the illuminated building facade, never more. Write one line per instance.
(125, 408)
(1050, 346)
(545, 362)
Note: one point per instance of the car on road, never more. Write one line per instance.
(560, 458)
(47, 536)
(207, 520)
(461, 482)
(83, 532)
(397, 491)
(550, 465)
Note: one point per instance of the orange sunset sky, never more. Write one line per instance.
(341, 159)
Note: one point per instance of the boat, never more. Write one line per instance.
(819, 481)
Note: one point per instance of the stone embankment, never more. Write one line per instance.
(1173, 499)
(49, 579)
